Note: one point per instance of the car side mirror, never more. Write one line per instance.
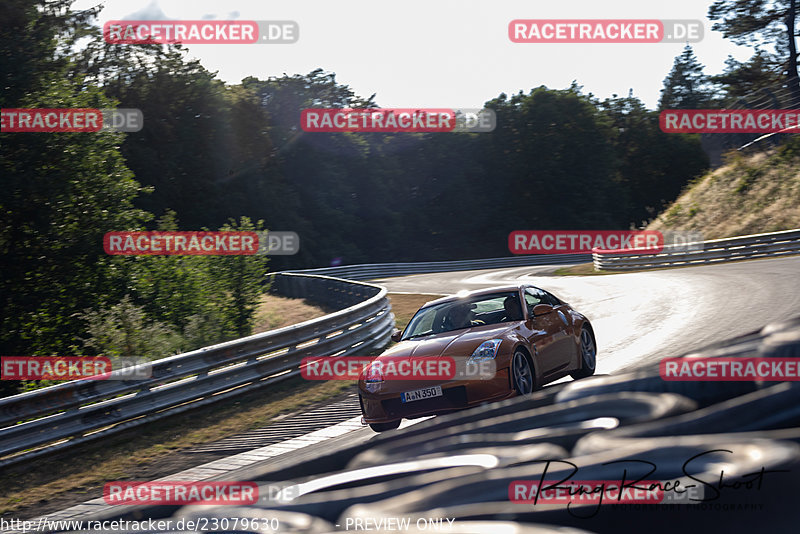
(542, 309)
(396, 333)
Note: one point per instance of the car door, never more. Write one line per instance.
(552, 339)
(571, 348)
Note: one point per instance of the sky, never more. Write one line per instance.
(440, 53)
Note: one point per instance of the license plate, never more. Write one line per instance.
(419, 394)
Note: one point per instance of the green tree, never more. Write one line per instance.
(61, 192)
(740, 79)
(124, 331)
(208, 299)
(763, 22)
(242, 279)
(35, 41)
(653, 166)
(686, 86)
(552, 155)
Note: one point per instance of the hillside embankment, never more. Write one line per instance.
(750, 194)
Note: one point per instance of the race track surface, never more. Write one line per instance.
(642, 317)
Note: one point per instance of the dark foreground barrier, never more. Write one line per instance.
(690, 456)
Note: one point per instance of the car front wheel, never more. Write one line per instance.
(383, 427)
(522, 374)
(588, 355)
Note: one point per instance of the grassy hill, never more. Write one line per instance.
(750, 194)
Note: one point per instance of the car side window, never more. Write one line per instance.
(532, 298)
(549, 298)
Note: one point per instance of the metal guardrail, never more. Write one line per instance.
(744, 247)
(371, 271)
(463, 465)
(65, 415)
(714, 251)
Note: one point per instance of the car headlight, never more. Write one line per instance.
(373, 378)
(486, 350)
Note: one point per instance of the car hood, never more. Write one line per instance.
(456, 343)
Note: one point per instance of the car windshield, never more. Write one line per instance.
(492, 308)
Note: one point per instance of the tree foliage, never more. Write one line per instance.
(757, 23)
(686, 86)
(214, 155)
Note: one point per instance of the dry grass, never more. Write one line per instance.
(582, 269)
(750, 195)
(160, 448)
(405, 305)
(276, 312)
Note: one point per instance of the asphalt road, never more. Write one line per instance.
(642, 317)
(638, 317)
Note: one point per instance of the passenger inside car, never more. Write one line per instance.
(513, 310)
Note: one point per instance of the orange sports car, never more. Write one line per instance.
(519, 337)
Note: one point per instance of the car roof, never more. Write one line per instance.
(496, 289)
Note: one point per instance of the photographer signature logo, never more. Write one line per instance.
(628, 489)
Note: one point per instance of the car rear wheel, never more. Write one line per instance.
(522, 374)
(588, 355)
(383, 427)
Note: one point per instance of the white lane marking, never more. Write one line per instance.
(223, 465)
(227, 464)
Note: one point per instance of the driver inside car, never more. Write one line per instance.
(461, 316)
